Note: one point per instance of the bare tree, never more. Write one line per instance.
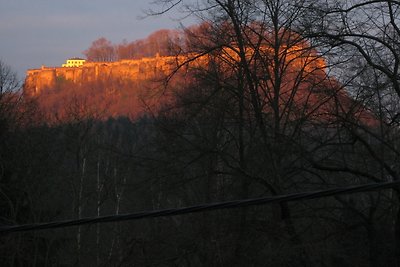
(9, 97)
(276, 91)
(363, 37)
(100, 50)
(8, 79)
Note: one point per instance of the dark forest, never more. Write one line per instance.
(273, 98)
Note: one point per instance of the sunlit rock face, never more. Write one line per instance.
(135, 88)
(101, 89)
(47, 78)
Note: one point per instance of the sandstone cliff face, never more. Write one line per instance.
(101, 89)
(46, 78)
(129, 88)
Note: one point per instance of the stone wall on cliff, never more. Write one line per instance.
(46, 78)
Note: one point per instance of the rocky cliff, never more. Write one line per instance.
(45, 78)
(129, 87)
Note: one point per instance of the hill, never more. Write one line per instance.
(136, 87)
(102, 89)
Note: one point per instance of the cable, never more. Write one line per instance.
(200, 208)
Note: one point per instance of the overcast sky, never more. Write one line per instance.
(47, 32)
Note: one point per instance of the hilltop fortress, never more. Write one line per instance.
(38, 80)
(129, 87)
(78, 71)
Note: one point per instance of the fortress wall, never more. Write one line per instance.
(38, 80)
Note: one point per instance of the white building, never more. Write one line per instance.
(74, 62)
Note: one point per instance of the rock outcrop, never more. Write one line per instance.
(127, 87)
(45, 78)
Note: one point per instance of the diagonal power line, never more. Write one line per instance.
(202, 207)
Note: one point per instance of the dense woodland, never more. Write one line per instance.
(296, 96)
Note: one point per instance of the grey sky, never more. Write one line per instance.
(46, 32)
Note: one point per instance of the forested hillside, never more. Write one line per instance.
(272, 98)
